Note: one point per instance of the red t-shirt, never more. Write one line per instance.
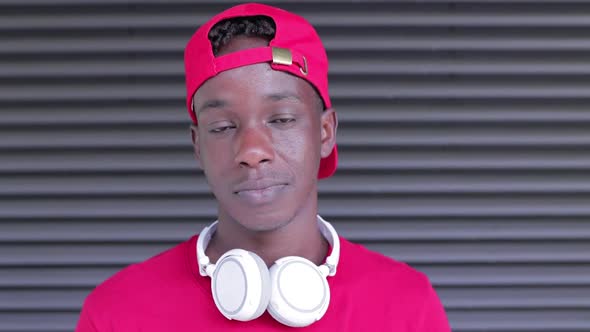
(370, 292)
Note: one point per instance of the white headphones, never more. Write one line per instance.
(294, 290)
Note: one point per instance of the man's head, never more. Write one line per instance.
(263, 130)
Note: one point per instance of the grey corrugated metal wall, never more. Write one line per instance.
(464, 139)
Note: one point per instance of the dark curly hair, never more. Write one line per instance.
(250, 26)
(260, 26)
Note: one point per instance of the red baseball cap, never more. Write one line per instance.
(295, 49)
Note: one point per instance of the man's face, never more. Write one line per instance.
(260, 138)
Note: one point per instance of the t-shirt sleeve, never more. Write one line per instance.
(85, 323)
(433, 316)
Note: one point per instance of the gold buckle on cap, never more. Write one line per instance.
(282, 56)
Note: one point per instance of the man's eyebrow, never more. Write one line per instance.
(211, 104)
(283, 95)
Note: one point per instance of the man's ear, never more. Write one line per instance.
(195, 139)
(329, 126)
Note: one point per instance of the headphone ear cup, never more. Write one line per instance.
(240, 285)
(266, 287)
(300, 292)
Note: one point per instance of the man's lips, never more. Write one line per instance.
(259, 191)
(258, 185)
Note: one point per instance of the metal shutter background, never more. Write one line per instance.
(464, 139)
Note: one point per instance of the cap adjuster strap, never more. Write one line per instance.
(276, 55)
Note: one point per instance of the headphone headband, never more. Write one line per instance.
(328, 232)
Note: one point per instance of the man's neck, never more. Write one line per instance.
(299, 237)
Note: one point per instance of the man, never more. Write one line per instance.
(263, 132)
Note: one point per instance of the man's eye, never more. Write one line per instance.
(283, 120)
(221, 129)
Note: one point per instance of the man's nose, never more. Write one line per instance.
(254, 147)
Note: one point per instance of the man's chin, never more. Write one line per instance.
(263, 222)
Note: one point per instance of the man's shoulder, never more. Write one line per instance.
(384, 271)
(141, 277)
(382, 288)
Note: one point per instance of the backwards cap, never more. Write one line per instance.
(295, 49)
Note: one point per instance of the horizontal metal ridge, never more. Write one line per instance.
(92, 254)
(405, 230)
(350, 113)
(455, 298)
(162, 45)
(433, 182)
(542, 274)
(138, 69)
(382, 16)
